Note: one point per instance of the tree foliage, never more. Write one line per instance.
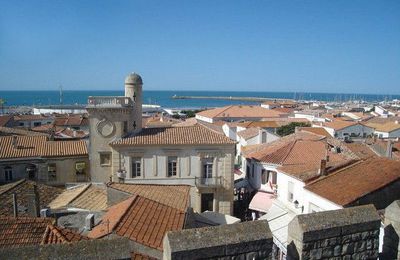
(290, 128)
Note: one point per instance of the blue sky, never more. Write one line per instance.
(308, 46)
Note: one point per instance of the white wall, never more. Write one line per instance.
(393, 134)
(358, 130)
(203, 118)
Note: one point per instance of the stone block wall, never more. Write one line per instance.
(391, 240)
(248, 240)
(351, 233)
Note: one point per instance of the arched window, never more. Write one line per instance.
(8, 173)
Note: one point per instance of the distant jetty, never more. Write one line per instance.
(254, 99)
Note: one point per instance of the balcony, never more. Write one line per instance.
(109, 102)
(212, 182)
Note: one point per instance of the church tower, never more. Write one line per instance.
(133, 90)
(111, 118)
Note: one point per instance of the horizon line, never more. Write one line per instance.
(236, 91)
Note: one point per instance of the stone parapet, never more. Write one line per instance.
(351, 233)
(248, 240)
(391, 240)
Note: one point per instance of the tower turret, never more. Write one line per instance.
(133, 90)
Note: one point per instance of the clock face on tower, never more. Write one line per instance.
(105, 128)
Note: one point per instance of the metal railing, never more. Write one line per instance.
(208, 182)
(109, 101)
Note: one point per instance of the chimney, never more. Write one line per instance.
(15, 204)
(389, 149)
(33, 202)
(14, 142)
(322, 168)
(89, 222)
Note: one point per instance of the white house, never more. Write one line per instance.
(343, 129)
(285, 166)
(386, 130)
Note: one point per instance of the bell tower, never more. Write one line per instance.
(111, 118)
(133, 90)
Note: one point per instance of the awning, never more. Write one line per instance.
(262, 201)
(278, 218)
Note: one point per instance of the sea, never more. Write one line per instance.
(164, 98)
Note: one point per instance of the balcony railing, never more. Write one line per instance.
(109, 101)
(208, 182)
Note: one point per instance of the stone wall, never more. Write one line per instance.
(351, 233)
(391, 241)
(119, 248)
(248, 240)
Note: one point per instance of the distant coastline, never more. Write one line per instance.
(164, 98)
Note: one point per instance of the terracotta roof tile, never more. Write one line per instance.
(30, 117)
(93, 199)
(298, 157)
(175, 136)
(22, 231)
(19, 131)
(5, 119)
(241, 111)
(249, 132)
(357, 180)
(362, 150)
(339, 124)
(58, 235)
(111, 219)
(176, 196)
(142, 220)
(39, 146)
(315, 130)
(384, 127)
(67, 196)
(22, 188)
(262, 124)
(71, 120)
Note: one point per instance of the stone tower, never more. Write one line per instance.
(133, 90)
(111, 118)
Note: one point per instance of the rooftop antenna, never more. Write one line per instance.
(61, 95)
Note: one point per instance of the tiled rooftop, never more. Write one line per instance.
(39, 146)
(27, 231)
(249, 133)
(339, 124)
(58, 235)
(67, 196)
(94, 199)
(176, 196)
(90, 197)
(5, 131)
(31, 117)
(298, 155)
(357, 180)
(5, 119)
(142, 220)
(315, 130)
(241, 111)
(386, 127)
(190, 135)
(22, 231)
(22, 188)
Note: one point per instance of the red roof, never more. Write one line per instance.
(28, 231)
(142, 220)
(357, 180)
